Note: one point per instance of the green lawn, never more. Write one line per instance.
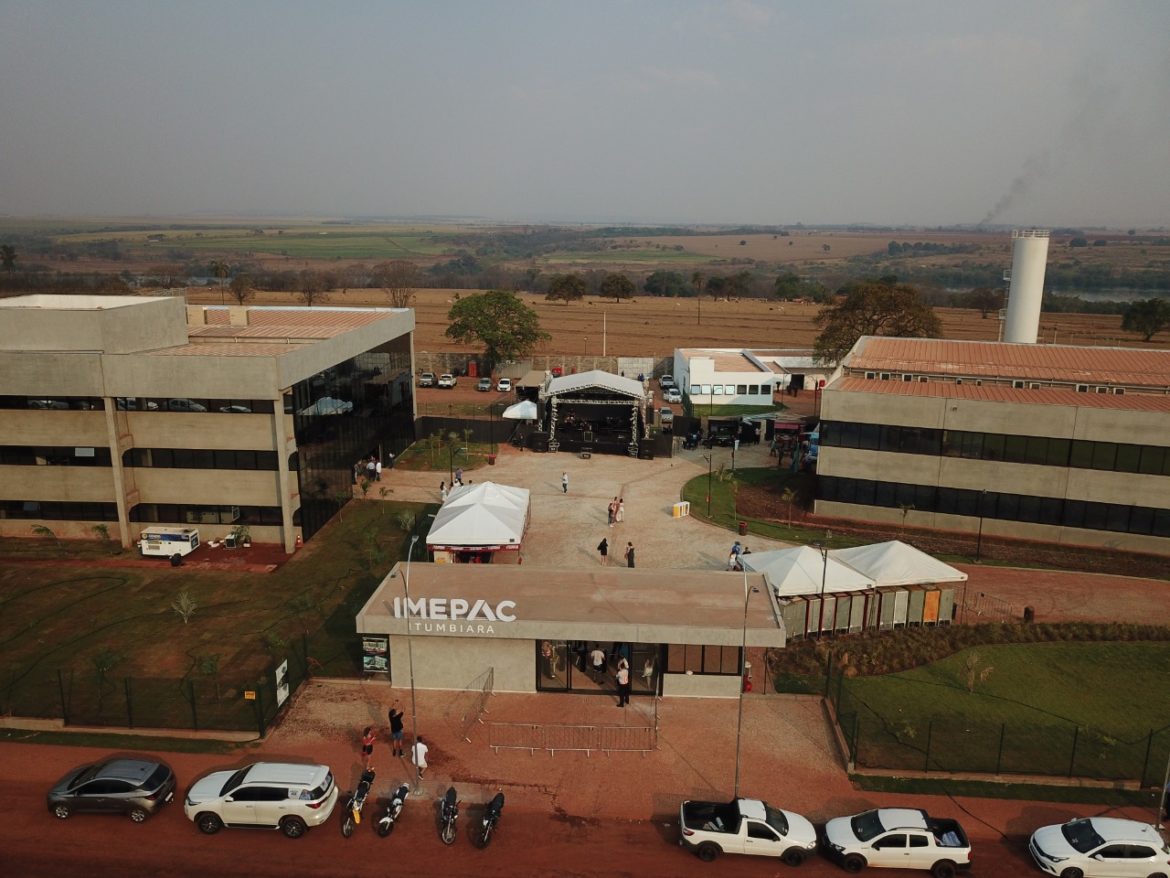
(60, 624)
(1086, 709)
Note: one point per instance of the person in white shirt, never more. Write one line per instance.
(418, 755)
(623, 683)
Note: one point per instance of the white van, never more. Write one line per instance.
(169, 542)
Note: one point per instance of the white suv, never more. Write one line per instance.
(274, 795)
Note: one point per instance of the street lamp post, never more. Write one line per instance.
(824, 550)
(979, 538)
(709, 458)
(410, 662)
(747, 594)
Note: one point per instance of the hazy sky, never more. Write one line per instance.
(1046, 113)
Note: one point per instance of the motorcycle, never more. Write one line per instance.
(691, 441)
(448, 814)
(385, 824)
(351, 814)
(491, 816)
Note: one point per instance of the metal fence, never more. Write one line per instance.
(209, 698)
(558, 736)
(970, 744)
(475, 710)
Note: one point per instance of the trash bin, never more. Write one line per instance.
(1029, 614)
(491, 459)
(743, 528)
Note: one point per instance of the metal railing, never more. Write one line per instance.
(582, 738)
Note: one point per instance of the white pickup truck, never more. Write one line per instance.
(899, 838)
(745, 826)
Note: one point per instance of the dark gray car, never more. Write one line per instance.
(135, 787)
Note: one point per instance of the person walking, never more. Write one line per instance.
(623, 683)
(377, 469)
(630, 555)
(459, 476)
(418, 754)
(612, 508)
(564, 483)
(371, 469)
(733, 558)
(397, 715)
(603, 550)
(597, 660)
(368, 738)
(620, 514)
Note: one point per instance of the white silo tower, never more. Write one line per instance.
(1029, 256)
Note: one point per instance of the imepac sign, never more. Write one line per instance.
(452, 615)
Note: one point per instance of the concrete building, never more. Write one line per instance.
(734, 376)
(123, 411)
(1053, 443)
(683, 632)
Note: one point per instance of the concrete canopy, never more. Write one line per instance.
(800, 570)
(896, 563)
(485, 514)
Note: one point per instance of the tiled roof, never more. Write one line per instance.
(980, 359)
(1147, 402)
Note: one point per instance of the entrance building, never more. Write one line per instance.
(683, 632)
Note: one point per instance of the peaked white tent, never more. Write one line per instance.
(478, 519)
(596, 379)
(525, 410)
(800, 570)
(896, 563)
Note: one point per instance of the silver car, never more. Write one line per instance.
(135, 787)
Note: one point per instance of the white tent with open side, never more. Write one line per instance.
(525, 410)
(896, 563)
(478, 521)
(799, 571)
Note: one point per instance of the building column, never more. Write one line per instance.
(280, 441)
(125, 537)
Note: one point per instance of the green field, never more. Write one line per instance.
(1080, 709)
(59, 624)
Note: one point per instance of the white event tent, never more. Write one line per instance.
(896, 563)
(478, 522)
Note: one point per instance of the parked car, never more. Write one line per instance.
(235, 410)
(185, 405)
(447, 380)
(745, 826)
(666, 418)
(135, 787)
(666, 382)
(484, 384)
(504, 385)
(899, 838)
(1100, 846)
(130, 404)
(426, 379)
(672, 394)
(273, 795)
(58, 404)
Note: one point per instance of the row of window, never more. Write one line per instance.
(140, 404)
(696, 659)
(53, 511)
(196, 458)
(731, 389)
(53, 455)
(1053, 511)
(1041, 450)
(190, 513)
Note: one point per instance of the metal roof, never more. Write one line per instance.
(983, 359)
(595, 379)
(944, 389)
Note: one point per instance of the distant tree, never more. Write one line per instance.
(8, 257)
(505, 326)
(242, 288)
(739, 284)
(398, 279)
(617, 287)
(717, 286)
(1148, 317)
(221, 270)
(826, 247)
(1078, 242)
(984, 300)
(666, 283)
(566, 288)
(530, 278)
(789, 286)
(872, 308)
(310, 287)
(697, 282)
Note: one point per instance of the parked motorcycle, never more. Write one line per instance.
(487, 825)
(448, 814)
(351, 814)
(385, 824)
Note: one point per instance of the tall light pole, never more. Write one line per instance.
(410, 661)
(747, 594)
(824, 550)
(709, 458)
(979, 539)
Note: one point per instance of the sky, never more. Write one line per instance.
(910, 112)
